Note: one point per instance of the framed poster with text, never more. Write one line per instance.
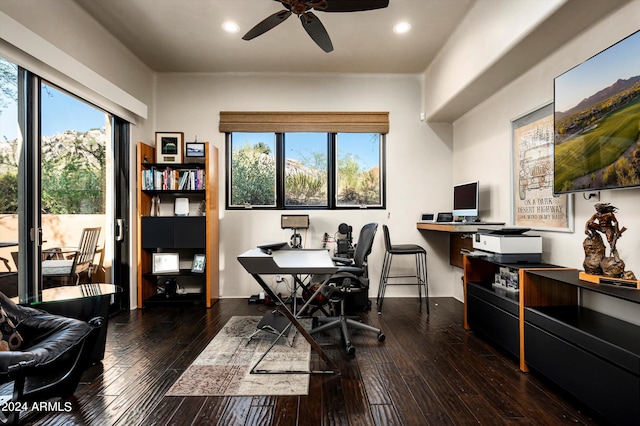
(533, 203)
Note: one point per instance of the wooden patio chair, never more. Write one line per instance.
(65, 262)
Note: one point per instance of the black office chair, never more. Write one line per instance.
(352, 277)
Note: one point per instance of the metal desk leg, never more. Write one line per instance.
(285, 310)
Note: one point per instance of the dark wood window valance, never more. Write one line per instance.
(282, 122)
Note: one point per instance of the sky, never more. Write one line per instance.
(302, 144)
(620, 61)
(60, 112)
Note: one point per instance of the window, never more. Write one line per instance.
(253, 170)
(358, 165)
(74, 154)
(305, 170)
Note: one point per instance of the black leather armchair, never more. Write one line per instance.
(51, 358)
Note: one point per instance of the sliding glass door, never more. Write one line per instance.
(10, 149)
(76, 159)
(60, 166)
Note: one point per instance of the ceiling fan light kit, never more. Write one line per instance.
(310, 22)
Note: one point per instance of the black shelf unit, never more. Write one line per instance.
(178, 299)
(184, 235)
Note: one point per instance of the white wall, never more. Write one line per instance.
(418, 161)
(482, 146)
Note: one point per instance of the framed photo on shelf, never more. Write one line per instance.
(198, 263)
(164, 263)
(169, 147)
(194, 152)
(534, 205)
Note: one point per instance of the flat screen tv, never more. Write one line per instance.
(465, 200)
(596, 116)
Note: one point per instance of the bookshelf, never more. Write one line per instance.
(160, 231)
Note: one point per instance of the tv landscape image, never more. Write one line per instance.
(597, 121)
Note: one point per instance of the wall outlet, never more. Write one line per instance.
(593, 197)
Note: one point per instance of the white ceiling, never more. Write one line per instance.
(186, 36)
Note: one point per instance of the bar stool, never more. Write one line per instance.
(421, 268)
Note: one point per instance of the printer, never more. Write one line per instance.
(509, 245)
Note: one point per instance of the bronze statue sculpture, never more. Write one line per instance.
(596, 262)
(604, 220)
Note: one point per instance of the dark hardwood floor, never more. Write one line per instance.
(429, 371)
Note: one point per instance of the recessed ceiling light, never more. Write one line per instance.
(230, 27)
(401, 27)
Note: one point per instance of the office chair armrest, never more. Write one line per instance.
(342, 260)
(356, 270)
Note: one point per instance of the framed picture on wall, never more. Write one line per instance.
(169, 147)
(534, 204)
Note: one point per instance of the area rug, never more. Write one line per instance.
(222, 369)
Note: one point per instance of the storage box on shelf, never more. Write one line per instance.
(161, 231)
(593, 356)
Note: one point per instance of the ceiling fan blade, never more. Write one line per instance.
(354, 5)
(267, 24)
(316, 31)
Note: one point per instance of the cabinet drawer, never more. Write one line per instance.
(157, 232)
(174, 232)
(606, 337)
(497, 324)
(189, 232)
(608, 389)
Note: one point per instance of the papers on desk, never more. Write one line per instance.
(474, 253)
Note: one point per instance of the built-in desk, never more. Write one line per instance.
(459, 236)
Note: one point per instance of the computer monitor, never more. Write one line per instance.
(466, 200)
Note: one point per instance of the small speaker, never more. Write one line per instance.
(181, 207)
(427, 217)
(445, 217)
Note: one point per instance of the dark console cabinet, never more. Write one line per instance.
(593, 356)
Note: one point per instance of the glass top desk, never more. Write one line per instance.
(290, 262)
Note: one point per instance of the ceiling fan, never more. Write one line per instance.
(310, 22)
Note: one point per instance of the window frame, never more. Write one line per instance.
(332, 178)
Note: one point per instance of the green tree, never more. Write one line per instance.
(253, 176)
(73, 175)
(8, 193)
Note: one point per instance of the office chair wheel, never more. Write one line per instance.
(350, 349)
(381, 337)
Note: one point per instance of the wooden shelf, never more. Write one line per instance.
(147, 281)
